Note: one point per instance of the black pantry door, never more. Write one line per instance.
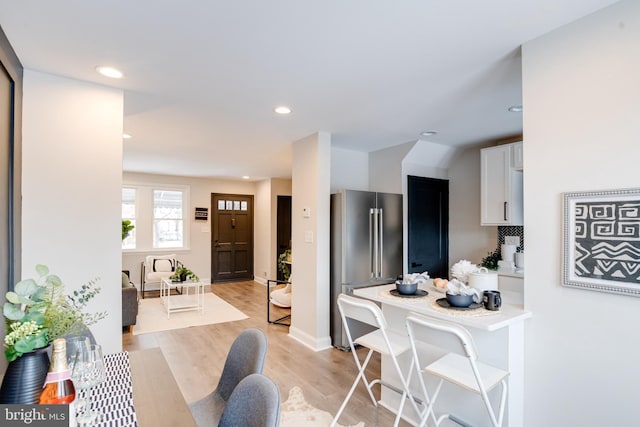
(231, 237)
(428, 226)
(283, 229)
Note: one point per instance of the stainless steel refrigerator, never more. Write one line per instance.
(366, 249)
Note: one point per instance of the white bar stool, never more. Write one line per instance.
(382, 340)
(459, 367)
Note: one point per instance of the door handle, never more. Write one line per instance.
(415, 264)
(380, 242)
(373, 242)
(233, 223)
(505, 211)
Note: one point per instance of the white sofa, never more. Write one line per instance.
(281, 296)
(154, 269)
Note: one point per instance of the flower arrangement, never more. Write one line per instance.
(127, 227)
(491, 260)
(284, 264)
(37, 311)
(461, 270)
(182, 273)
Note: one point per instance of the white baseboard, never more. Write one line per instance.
(261, 280)
(315, 344)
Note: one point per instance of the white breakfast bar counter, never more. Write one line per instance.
(499, 336)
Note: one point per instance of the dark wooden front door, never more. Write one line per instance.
(232, 237)
(428, 226)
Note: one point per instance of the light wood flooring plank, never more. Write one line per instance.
(196, 357)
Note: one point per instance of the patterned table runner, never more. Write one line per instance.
(114, 397)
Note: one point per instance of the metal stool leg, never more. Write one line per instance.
(382, 340)
(361, 375)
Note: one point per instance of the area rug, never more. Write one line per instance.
(296, 412)
(152, 315)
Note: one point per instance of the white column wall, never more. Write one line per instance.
(310, 241)
(262, 220)
(71, 197)
(581, 96)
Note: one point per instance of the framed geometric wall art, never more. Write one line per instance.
(601, 241)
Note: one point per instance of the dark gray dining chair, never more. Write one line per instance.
(246, 356)
(255, 402)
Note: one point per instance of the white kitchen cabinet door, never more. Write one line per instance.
(501, 188)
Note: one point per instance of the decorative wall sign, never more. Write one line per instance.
(202, 214)
(601, 241)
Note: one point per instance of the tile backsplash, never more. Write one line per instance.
(511, 231)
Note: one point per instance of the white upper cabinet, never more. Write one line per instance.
(517, 156)
(501, 186)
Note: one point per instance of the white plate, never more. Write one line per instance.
(437, 289)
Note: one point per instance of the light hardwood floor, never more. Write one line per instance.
(196, 356)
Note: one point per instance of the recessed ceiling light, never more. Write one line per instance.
(246, 177)
(516, 108)
(110, 72)
(429, 133)
(282, 109)
(126, 136)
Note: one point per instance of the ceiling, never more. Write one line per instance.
(202, 77)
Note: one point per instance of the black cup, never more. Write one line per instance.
(492, 300)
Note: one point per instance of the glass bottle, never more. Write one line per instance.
(58, 387)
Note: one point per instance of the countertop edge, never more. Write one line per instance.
(512, 313)
(511, 273)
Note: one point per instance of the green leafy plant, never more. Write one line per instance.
(38, 311)
(183, 272)
(126, 228)
(490, 262)
(284, 264)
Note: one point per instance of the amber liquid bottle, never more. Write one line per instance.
(58, 387)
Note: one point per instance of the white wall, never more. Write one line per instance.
(581, 96)
(310, 241)
(467, 238)
(349, 170)
(385, 168)
(262, 231)
(71, 189)
(198, 256)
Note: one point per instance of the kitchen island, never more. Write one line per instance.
(499, 336)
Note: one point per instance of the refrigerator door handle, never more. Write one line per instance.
(380, 242)
(372, 243)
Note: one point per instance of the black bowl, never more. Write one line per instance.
(406, 288)
(459, 300)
